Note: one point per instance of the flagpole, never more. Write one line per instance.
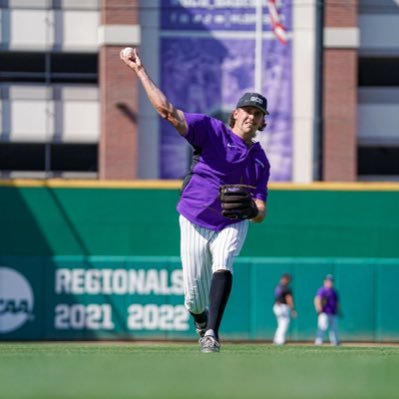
(258, 47)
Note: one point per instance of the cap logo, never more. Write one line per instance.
(256, 100)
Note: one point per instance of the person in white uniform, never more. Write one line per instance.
(283, 308)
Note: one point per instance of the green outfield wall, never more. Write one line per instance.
(89, 260)
(56, 219)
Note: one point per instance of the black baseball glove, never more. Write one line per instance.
(237, 202)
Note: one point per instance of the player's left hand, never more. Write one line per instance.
(237, 202)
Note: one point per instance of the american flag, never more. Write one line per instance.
(275, 20)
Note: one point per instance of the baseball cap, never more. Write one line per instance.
(253, 100)
(329, 277)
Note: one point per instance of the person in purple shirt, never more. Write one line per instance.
(211, 236)
(326, 303)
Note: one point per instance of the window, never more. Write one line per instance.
(381, 71)
(51, 159)
(70, 67)
(48, 67)
(22, 67)
(54, 74)
(378, 161)
(377, 124)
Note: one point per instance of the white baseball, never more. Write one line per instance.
(127, 52)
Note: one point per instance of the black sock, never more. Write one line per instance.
(218, 295)
(200, 317)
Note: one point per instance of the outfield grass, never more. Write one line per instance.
(244, 371)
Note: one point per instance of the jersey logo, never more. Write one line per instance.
(260, 162)
(231, 145)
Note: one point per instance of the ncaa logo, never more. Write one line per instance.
(16, 300)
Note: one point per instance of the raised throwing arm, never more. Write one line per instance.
(157, 98)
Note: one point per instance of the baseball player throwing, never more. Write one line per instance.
(283, 308)
(327, 306)
(225, 187)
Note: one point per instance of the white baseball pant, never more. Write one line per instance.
(327, 322)
(283, 315)
(203, 252)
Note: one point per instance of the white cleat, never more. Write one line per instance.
(209, 344)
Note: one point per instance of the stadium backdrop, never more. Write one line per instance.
(79, 261)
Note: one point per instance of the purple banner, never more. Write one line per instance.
(233, 15)
(201, 73)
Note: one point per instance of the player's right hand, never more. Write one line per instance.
(131, 58)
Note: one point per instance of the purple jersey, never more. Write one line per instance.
(220, 157)
(329, 300)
